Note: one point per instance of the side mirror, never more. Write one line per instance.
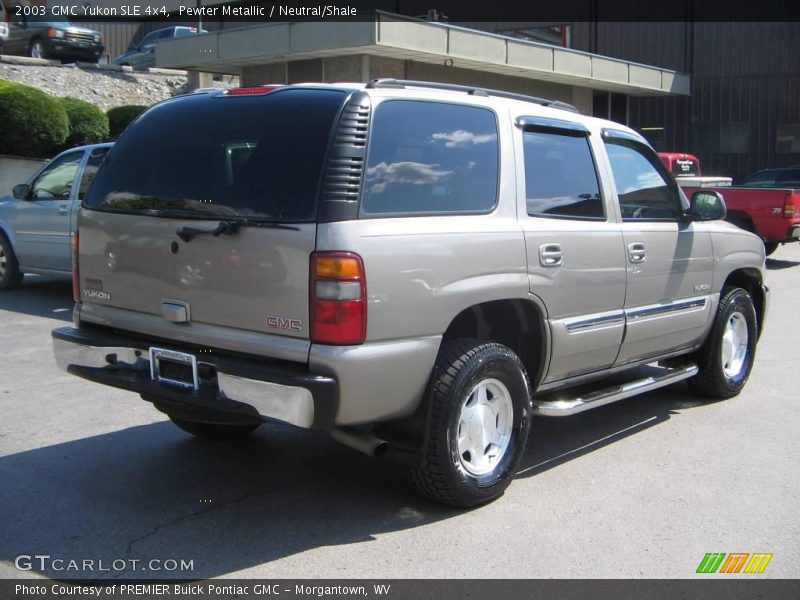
(707, 206)
(21, 191)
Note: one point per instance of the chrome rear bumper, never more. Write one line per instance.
(268, 390)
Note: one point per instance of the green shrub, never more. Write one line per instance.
(34, 124)
(87, 123)
(121, 116)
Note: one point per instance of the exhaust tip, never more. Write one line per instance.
(380, 449)
(366, 443)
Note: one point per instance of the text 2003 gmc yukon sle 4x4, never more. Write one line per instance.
(417, 268)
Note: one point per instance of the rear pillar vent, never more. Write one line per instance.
(345, 168)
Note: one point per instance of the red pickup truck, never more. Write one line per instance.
(771, 213)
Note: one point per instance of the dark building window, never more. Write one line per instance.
(613, 107)
(787, 138)
(600, 103)
(721, 138)
(734, 138)
(656, 136)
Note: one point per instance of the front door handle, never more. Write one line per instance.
(550, 255)
(62, 209)
(637, 253)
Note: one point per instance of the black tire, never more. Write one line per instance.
(770, 247)
(215, 431)
(742, 223)
(442, 474)
(10, 276)
(719, 378)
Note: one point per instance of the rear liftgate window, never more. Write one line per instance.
(254, 156)
(431, 158)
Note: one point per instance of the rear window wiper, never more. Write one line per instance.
(267, 223)
(231, 227)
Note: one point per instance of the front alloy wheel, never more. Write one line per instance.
(726, 358)
(37, 49)
(733, 350)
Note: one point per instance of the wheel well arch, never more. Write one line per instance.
(516, 323)
(6, 232)
(750, 279)
(735, 216)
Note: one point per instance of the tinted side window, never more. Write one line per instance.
(90, 170)
(789, 178)
(429, 157)
(560, 177)
(150, 38)
(764, 179)
(644, 193)
(55, 182)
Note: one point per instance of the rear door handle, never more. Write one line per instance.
(550, 255)
(62, 209)
(637, 253)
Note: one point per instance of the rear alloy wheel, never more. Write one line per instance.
(10, 276)
(480, 415)
(215, 431)
(727, 357)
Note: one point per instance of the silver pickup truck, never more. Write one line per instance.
(37, 220)
(417, 268)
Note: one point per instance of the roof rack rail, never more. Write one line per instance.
(469, 89)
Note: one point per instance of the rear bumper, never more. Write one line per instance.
(233, 389)
(792, 235)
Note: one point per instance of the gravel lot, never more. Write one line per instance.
(642, 488)
(103, 88)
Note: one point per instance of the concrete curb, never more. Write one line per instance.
(26, 60)
(99, 67)
(157, 71)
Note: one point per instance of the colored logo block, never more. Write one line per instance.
(735, 562)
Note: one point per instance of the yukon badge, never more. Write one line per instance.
(93, 290)
(277, 322)
(702, 287)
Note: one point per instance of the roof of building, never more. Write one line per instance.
(399, 37)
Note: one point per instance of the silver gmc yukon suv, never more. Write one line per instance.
(416, 268)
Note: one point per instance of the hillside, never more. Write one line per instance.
(104, 86)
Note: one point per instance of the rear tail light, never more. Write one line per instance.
(791, 205)
(338, 299)
(76, 274)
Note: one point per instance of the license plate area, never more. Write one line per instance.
(176, 369)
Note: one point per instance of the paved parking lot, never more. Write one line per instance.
(642, 488)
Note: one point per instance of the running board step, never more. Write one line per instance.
(662, 377)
